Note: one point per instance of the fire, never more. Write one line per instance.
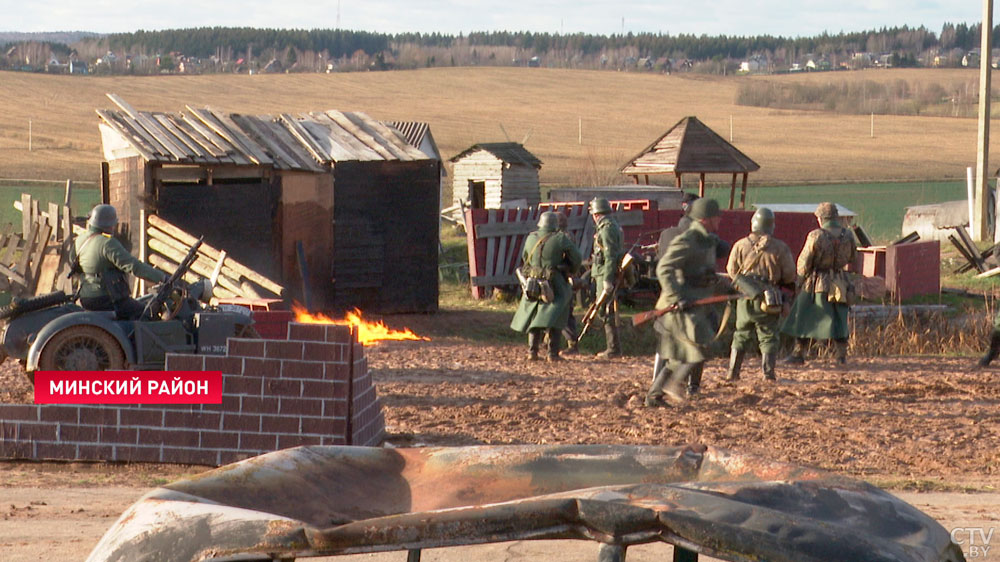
(369, 333)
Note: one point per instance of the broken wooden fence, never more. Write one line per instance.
(36, 261)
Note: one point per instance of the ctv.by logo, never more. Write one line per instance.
(975, 541)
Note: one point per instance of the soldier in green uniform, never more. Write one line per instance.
(825, 290)
(994, 346)
(759, 264)
(687, 273)
(104, 264)
(546, 252)
(605, 260)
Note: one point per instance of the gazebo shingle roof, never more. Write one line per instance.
(689, 147)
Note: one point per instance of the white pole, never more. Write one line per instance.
(29, 135)
(873, 125)
(971, 189)
(580, 137)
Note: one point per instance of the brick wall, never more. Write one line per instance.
(312, 389)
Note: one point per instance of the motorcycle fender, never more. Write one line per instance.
(99, 319)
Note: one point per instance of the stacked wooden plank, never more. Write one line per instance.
(168, 245)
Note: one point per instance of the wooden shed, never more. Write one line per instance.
(336, 206)
(690, 147)
(489, 175)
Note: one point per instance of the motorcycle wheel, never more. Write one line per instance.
(20, 306)
(82, 348)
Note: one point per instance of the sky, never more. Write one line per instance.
(788, 18)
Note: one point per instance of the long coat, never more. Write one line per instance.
(687, 272)
(827, 251)
(556, 254)
(609, 248)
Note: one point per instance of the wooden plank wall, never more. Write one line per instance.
(520, 182)
(479, 166)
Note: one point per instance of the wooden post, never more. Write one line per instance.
(983, 138)
(25, 214)
(701, 184)
(732, 192)
(69, 193)
(743, 191)
(678, 177)
(105, 183)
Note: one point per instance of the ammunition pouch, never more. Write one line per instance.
(771, 303)
(536, 288)
(115, 284)
(750, 287)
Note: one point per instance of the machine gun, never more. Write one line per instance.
(163, 289)
(643, 317)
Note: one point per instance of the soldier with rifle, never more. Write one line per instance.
(686, 330)
(102, 264)
(759, 264)
(547, 251)
(605, 262)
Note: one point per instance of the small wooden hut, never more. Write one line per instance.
(690, 147)
(337, 207)
(490, 175)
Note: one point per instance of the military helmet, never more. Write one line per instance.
(704, 208)
(103, 217)
(762, 221)
(548, 221)
(600, 206)
(827, 210)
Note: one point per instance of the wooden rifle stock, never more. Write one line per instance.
(643, 317)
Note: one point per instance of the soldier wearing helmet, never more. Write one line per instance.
(546, 253)
(686, 273)
(607, 256)
(759, 264)
(825, 290)
(104, 264)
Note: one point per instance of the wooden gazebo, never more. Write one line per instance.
(690, 147)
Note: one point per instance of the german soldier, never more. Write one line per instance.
(546, 252)
(686, 273)
(606, 258)
(758, 265)
(104, 264)
(570, 331)
(825, 290)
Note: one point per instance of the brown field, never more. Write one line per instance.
(621, 113)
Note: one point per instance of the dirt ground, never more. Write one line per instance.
(926, 427)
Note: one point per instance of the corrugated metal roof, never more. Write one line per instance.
(414, 131)
(292, 142)
(510, 152)
(690, 146)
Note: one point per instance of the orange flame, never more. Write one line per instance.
(369, 333)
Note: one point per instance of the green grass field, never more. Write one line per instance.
(880, 206)
(84, 198)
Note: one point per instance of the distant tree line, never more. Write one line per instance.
(227, 49)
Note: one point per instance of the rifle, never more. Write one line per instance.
(163, 290)
(643, 317)
(599, 302)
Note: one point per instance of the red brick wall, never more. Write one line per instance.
(312, 389)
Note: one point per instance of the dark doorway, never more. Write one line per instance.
(477, 194)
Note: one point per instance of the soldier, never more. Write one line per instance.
(758, 265)
(686, 273)
(668, 234)
(825, 290)
(994, 346)
(104, 264)
(569, 332)
(606, 258)
(546, 251)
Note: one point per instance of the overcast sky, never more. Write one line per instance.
(789, 18)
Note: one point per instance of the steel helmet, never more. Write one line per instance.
(548, 221)
(762, 221)
(704, 208)
(600, 206)
(103, 217)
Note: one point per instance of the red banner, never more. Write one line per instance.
(128, 387)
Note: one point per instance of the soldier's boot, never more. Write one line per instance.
(798, 354)
(735, 363)
(571, 341)
(767, 360)
(614, 344)
(840, 351)
(993, 350)
(534, 343)
(554, 344)
(694, 379)
(654, 398)
(674, 389)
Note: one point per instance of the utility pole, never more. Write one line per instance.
(982, 231)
